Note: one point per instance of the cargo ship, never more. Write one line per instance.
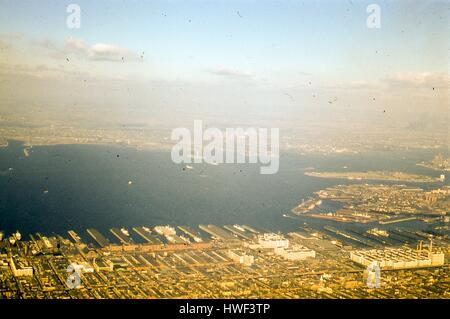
(396, 220)
(378, 232)
(306, 206)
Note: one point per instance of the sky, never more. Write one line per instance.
(243, 60)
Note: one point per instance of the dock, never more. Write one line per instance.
(239, 231)
(217, 232)
(195, 235)
(98, 237)
(125, 240)
(396, 220)
(74, 236)
(146, 234)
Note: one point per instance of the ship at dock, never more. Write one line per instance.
(306, 206)
(378, 232)
(352, 237)
(396, 220)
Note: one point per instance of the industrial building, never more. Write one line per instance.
(241, 257)
(103, 265)
(271, 240)
(398, 258)
(281, 247)
(20, 267)
(295, 252)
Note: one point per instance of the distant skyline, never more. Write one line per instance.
(238, 59)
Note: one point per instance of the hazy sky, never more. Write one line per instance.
(248, 59)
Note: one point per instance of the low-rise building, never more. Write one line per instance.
(295, 252)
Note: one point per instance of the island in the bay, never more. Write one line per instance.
(378, 175)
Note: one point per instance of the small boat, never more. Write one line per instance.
(125, 231)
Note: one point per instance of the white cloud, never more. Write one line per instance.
(419, 80)
(108, 52)
(95, 52)
(231, 72)
(76, 45)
